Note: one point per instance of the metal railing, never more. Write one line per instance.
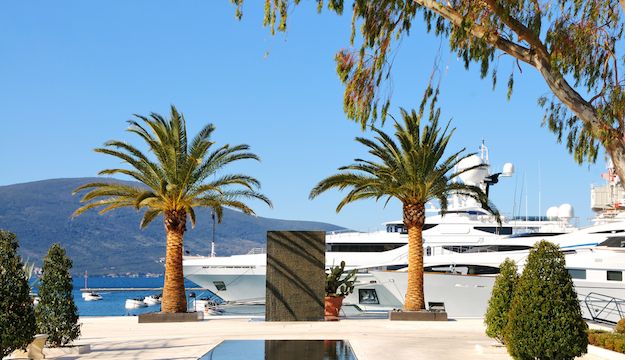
(257, 250)
(604, 308)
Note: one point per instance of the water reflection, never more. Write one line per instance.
(281, 350)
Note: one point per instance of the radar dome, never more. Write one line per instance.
(565, 211)
(552, 213)
(475, 176)
(508, 169)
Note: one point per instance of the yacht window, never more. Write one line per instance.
(468, 212)
(463, 269)
(484, 248)
(368, 296)
(396, 267)
(535, 234)
(609, 231)
(615, 275)
(616, 241)
(436, 306)
(428, 226)
(578, 274)
(220, 285)
(428, 251)
(366, 247)
(396, 228)
(495, 230)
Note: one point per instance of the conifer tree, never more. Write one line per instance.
(17, 317)
(500, 301)
(545, 320)
(57, 314)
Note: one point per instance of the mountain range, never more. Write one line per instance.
(39, 213)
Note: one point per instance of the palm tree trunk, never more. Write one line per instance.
(174, 296)
(414, 218)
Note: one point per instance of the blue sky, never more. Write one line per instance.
(73, 72)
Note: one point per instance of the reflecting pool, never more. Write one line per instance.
(281, 350)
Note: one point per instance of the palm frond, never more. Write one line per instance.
(410, 166)
(148, 217)
(175, 178)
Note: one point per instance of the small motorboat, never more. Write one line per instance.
(152, 300)
(213, 309)
(91, 296)
(208, 306)
(135, 303)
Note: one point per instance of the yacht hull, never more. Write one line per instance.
(467, 295)
(463, 296)
(235, 288)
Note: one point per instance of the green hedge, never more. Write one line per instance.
(607, 340)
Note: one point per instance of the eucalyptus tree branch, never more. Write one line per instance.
(518, 51)
(537, 56)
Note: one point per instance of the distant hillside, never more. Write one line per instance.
(39, 213)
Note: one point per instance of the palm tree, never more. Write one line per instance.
(182, 177)
(412, 169)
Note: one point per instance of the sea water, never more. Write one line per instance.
(112, 303)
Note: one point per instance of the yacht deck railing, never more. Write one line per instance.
(604, 308)
(257, 250)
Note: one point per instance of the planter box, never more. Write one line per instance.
(422, 315)
(63, 351)
(157, 317)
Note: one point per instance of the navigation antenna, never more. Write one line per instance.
(213, 240)
(484, 152)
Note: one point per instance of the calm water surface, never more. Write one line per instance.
(112, 303)
(281, 350)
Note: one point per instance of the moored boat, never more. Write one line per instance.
(91, 296)
(152, 300)
(135, 303)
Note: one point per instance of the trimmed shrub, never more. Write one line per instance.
(17, 317)
(496, 317)
(620, 327)
(607, 340)
(545, 320)
(56, 313)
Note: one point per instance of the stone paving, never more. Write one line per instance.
(125, 338)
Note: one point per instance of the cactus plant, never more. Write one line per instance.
(338, 285)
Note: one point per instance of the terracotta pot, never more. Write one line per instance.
(333, 307)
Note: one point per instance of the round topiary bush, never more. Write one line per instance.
(57, 314)
(17, 317)
(496, 317)
(545, 320)
(620, 327)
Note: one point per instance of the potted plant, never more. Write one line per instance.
(338, 285)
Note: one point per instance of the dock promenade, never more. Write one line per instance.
(371, 339)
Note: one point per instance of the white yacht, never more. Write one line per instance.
(460, 278)
(462, 283)
(469, 271)
(465, 226)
